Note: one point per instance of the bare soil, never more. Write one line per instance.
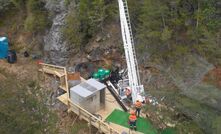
(214, 77)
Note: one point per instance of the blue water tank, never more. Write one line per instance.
(3, 47)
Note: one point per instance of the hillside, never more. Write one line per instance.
(178, 46)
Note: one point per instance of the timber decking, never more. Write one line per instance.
(110, 104)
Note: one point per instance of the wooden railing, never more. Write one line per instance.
(59, 69)
(52, 66)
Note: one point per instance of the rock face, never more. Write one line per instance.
(56, 48)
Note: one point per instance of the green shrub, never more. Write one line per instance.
(20, 4)
(35, 6)
(72, 31)
(78, 126)
(36, 20)
(86, 20)
(4, 5)
(67, 2)
(170, 28)
(23, 109)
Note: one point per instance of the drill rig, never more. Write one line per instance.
(133, 77)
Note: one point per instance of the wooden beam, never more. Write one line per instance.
(50, 65)
(63, 98)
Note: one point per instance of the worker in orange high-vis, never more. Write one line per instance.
(133, 120)
(138, 105)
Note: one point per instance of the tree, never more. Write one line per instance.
(4, 5)
(20, 4)
(170, 28)
(86, 21)
(36, 20)
(154, 31)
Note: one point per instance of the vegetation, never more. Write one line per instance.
(167, 29)
(37, 16)
(33, 12)
(23, 109)
(86, 20)
(79, 127)
(4, 4)
(171, 28)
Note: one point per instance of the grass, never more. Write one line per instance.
(22, 112)
(168, 131)
(78, 127)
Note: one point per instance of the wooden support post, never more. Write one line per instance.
(130, 132)
(110, 130)
(69, 107)
(90, 131)
(43, 73)
(79, 110)
(74, 120)
(66, 82)
(99, 126)
(97, 132)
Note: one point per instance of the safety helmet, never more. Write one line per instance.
(132, 113)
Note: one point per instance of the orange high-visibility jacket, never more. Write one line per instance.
(138, 104)
(132, 118)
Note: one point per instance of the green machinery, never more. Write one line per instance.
(101, 74)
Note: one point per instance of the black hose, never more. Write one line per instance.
(116, 97)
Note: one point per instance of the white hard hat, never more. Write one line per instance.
(139, 97)
(128, 87)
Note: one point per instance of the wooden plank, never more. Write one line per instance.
(53, 72)
(66, 82)
(63, 98)
(82, 79)
(63, 87)
(50, 65)
(110, 105)
(59, 74)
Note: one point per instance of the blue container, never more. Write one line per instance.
(3, 47)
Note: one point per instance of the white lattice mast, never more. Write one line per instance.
(130, 54)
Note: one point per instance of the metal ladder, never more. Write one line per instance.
(129, 48)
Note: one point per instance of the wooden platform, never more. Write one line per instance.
(105, 127)
(110, 103)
